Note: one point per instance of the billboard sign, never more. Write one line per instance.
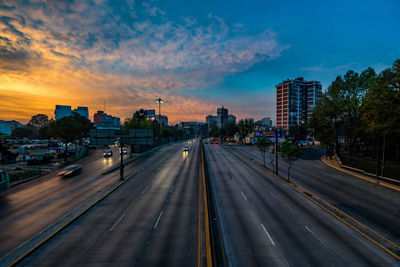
(140, 137)
(150, 113)
(104, 136)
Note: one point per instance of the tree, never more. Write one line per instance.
(230, 128)
(338, 111)
(214, 131)
(140, 115)
(246, 127)
(38, 121)
(381, 110)
(22, 132)
(263, 145)
(298, 132)
(290, 153)
(69, 129)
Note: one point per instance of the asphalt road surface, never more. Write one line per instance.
(152, 220)
(376, 206)
(266, 223)
(27, 208)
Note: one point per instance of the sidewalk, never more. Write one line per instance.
(337, 164)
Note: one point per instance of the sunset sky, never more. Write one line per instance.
(196, 55)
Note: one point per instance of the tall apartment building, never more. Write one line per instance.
(295, 101)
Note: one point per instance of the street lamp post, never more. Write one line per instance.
(159, 101)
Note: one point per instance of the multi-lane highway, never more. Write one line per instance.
(157, 217)
(264, 222)
(27, 208)
(376, 206)
(152, 220)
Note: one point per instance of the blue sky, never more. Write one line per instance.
(196, 55)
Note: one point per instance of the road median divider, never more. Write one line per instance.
(117, 166)
(215, 253)
(372, 236)
(26, 248)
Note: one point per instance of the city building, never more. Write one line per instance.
(222, 117)
(232, 118)
(104, 121)
(62, 111)
(97, 116)
(210, 120)
(83, 111)
(266, 122)
(163, 120)
(295, 101)
(6, 127)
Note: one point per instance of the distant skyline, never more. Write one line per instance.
(197, 55)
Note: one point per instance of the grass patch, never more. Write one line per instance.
(392, 170)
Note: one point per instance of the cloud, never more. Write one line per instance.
(123, 50)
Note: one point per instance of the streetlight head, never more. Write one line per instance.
(159, 100)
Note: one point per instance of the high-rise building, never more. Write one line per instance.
(222, 117)
(295, 101)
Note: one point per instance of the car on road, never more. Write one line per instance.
(185, 148)
(124, 151)
(70, 170)
(108, 153)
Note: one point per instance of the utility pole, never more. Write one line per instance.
(121, 167)
(276, 151)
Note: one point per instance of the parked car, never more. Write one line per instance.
(185, 148)
(70, 170)
(108, 153)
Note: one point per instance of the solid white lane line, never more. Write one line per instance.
(273, 196)
(158, 220)
(172, 188)
(265, 230)
(244, 196)
(117, 222)
(145, 190)
(315, 236)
